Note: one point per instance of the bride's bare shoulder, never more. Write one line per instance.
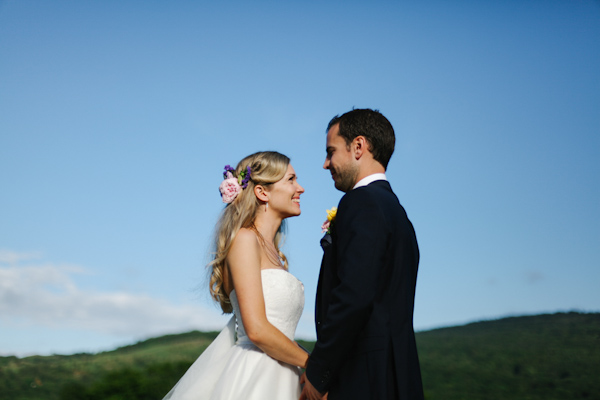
(245, 240)
(244, 252)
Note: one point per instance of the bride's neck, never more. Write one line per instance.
(267, 226)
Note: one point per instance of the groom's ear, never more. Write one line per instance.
(359, 146)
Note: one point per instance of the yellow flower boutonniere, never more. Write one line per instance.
(326, 227)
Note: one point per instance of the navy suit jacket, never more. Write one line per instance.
(365, 298)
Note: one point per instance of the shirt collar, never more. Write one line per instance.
(370, 179)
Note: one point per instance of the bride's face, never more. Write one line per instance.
(284, 196)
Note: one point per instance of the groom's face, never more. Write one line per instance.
(340, 161)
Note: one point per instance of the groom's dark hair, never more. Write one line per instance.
(373, 126)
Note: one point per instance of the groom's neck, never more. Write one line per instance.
(369, 167)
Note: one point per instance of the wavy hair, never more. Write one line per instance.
(267, 168)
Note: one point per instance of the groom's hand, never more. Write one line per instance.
(308, 391)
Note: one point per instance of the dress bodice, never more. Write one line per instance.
(284, 302)
(230, 370)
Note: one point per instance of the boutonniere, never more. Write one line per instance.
(326, 227)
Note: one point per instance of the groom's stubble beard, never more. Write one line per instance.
(346, 177)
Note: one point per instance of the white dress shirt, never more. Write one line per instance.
(369, 179)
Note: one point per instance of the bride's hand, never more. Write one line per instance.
(308, 391)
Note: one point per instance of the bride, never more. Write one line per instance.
(255, 356)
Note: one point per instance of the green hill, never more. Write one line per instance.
(535, 357)
(148, 368)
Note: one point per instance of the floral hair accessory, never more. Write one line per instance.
(244, 177)
(326, 227)
(232, 186)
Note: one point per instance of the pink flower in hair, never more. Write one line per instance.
(229, 188)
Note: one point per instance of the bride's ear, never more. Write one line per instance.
(261, 193)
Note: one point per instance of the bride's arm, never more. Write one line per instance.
(244, 261)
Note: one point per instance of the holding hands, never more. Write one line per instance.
(308, 391)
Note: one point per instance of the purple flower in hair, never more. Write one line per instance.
(244, 177)
(228, 169)
(232, 186)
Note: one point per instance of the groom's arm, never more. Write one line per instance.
(362, 233)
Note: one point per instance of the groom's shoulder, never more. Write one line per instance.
(374, 190)
(370, 194)
(378, 194)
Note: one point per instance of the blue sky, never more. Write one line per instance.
(117, 117)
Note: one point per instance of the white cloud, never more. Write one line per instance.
(11, 257)
(46, 296)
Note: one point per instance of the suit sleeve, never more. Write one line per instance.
(362, 234)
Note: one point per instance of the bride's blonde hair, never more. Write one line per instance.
(267, 167)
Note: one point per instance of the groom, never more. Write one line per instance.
(364, 310)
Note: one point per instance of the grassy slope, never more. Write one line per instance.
(539, 357)
(40, 377)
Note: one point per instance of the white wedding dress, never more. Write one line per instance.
(235, 369)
